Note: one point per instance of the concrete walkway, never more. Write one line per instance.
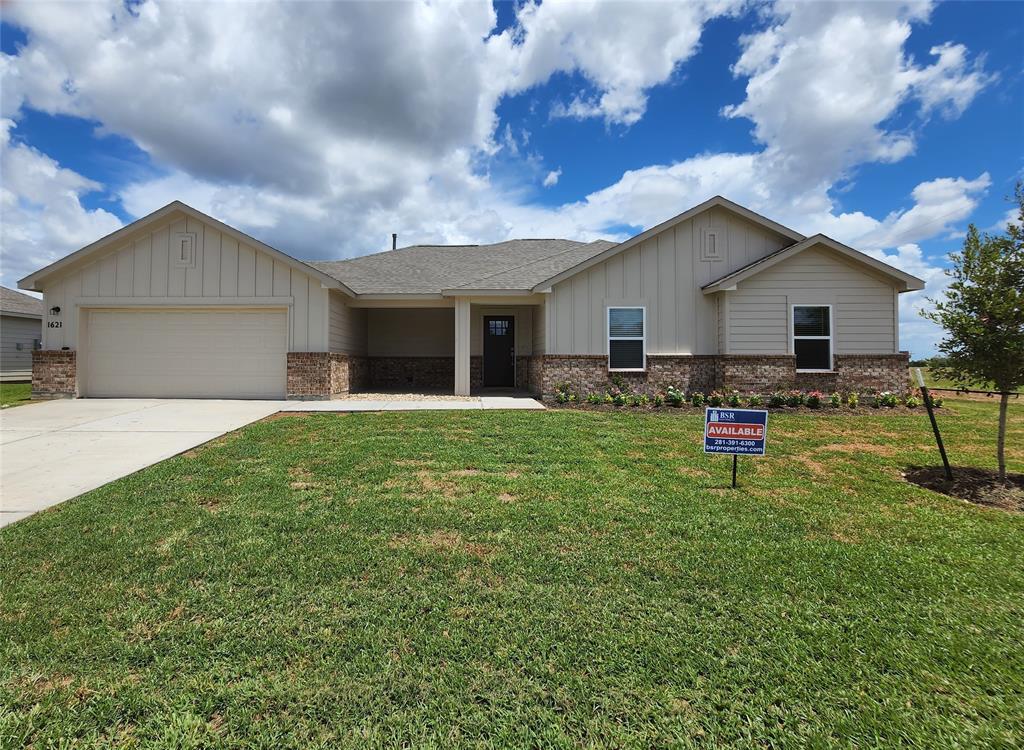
(56, 450)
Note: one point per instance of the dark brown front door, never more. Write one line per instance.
(499, 351)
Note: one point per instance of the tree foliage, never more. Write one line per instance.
(982, 313)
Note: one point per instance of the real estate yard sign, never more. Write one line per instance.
(735, 432)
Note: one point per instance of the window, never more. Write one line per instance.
(626, 345)
(812, 337)
(498, 326)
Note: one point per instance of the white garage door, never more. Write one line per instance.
(186, 353)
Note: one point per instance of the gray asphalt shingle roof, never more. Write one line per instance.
(430, 269)
(13, 301)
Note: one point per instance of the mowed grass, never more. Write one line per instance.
(12, 394)
(557, 579)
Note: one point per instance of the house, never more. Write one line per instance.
(179, 304)
(20, 333)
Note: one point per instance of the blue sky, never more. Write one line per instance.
(889, 126)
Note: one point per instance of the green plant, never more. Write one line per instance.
(795, 398)
(913, 402)
(674, 396)
(813, 399)
(777, 399)
(755, 400)
(619, 399)
(982, 312)
(659, 400)
(733, 399)
(563, 394)
(936, 401)
(607, 398)
(697, 399)
(715, 399)
(835, 400)
(595, 398)
(853, 400)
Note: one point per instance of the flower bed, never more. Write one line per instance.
(620, 397)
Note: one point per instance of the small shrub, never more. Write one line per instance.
(697, 399)
(777, 399)
(715, 399)
(886, 399)
(795, 398)
(595, 398)
(913, 402)
(755, 400)
(835, 400)
(659, 400)
(563, 394)
(733, 399)
(619, 399)
(608, 398)
(643, 400)
(813, 399)
(853, 400)
(674, 396)
(936, 400)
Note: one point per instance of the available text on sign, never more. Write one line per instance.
(740, 432)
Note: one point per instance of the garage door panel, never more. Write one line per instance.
(186, 354)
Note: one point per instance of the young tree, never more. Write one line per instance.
(983, 315)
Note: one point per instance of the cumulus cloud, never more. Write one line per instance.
(394, 125)
(43, 216)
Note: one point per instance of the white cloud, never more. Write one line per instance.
(43, 218)
(394, 127)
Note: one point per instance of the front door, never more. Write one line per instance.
(499, 351)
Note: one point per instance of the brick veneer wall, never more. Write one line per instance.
(861, 373)
(54, 373)
(588, 373)
(322, 375)
(413, 373)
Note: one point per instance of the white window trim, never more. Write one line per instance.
(830, 338)
(609, 338)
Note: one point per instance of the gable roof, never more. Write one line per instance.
(904, 281)
(715, 202)
(15, 303)
(510, 266)
(32, 280)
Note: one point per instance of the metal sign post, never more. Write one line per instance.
(935, 425)
(735, 432)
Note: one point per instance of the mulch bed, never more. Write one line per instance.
(860, 411)
(978, 486)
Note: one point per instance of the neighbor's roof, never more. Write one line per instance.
(15, 302)
(513, 265)
(905, 281)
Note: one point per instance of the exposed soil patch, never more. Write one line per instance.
(978, 486)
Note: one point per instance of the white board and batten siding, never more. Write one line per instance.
(141, 274)
(864, 305)
(665, 274)
(346, 326)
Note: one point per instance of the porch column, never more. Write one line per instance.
(461, 347)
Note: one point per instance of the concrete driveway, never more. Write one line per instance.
(53, 451)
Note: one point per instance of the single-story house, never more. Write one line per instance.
(21, 333)
(179, 304)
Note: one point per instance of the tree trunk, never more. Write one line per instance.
(1004, 400)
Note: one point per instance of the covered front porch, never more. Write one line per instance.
(460, 346)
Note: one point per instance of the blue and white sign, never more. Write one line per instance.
(740, 432)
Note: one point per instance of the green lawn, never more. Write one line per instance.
(557, 579)
(12, 394)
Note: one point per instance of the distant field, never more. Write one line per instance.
(934, 382)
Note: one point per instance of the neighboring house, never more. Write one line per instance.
(20, 333)
(718, 297)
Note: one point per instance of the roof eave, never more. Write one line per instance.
(906, 281)
(32, 281)
(715, 201)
